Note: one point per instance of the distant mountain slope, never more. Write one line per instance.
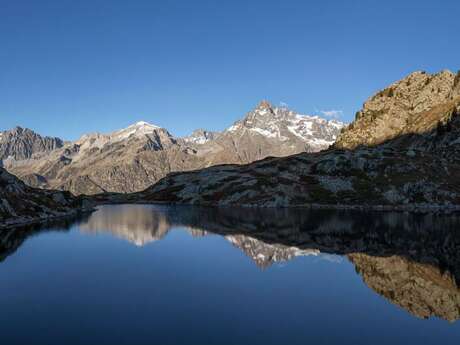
(406, 167)
(20, 143)
(122, 161)
(136, 157)
(200, 136)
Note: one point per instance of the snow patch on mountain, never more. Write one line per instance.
(137, 129)
(200, 137)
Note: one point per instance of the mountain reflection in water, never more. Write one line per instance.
(411, 260)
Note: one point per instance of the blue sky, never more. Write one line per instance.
(70, 67)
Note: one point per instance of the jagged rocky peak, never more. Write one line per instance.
(263, 112)
(415, 104)
(21, 143)
(287, 125)
(200, 136)
(264, 104)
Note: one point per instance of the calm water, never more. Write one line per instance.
(182, 275)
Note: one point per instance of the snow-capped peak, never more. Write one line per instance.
(139, 128)
(280, 123)
(143, 124)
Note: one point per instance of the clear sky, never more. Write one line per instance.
(70, 67)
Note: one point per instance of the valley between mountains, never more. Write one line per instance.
(401, 151)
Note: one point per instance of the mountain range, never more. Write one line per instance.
(136, 157)
(401, 151)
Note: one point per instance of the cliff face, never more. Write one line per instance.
(20, 143)
(413, 105)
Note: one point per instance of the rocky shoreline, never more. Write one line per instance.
(118, 199)
(20, 222)
(25, 221)
(22, 205)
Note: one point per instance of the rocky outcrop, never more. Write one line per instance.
(413, 105)
(415, 165)
(19, 143)
(21, 204)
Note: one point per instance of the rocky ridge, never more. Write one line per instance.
(21, 204)
(413, 105)
(19, 143)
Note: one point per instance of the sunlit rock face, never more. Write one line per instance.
(414, 104)
(22, 143)
(127, 160)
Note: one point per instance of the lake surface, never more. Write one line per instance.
(135, 274)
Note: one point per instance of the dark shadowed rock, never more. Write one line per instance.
(21, 204)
